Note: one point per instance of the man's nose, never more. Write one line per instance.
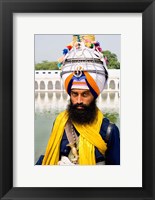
(79, 99)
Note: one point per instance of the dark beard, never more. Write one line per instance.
(82, 116)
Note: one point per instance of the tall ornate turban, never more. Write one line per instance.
(83, 65)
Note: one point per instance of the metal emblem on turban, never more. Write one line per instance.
(78, 71)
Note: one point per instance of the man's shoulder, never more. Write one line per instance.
(106, 122)
(108, 129)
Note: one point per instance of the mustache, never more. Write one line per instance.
(79, 104)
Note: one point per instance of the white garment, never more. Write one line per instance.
(65, 161)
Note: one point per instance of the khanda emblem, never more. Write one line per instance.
(78, 71)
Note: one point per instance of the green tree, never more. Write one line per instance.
(46, 65)
(112, 61)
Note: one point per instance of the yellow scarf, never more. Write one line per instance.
(88, 139)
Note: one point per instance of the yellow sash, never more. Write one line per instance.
(88, 139)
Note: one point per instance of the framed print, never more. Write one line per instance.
(20, 22)
(45, 173)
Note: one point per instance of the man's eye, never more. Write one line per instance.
(85, 94)
(74, 94)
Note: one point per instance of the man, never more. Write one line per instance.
(81, 135)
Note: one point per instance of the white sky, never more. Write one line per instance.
(49, 47)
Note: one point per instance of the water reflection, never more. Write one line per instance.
(58, 101)
(112, 96)
(104, 96)
(42, 96)
(50, 95)
(65, 96)
(58, 95)
(36, 95)
(55, 102)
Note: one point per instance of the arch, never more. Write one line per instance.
(57, 85)
(42, 85)
(112, 84)
(36, 85)
(50, 85)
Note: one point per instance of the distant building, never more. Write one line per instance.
(50, 80)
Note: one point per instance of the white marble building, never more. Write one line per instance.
(50, 80)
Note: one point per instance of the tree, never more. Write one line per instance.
(46, 65)
(112, 61)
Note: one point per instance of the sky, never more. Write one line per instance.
(49, 47)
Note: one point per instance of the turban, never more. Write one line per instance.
(83, 65)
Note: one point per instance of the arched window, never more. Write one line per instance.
(50, 85)
(57, 85)
(36, 85)
(42, 85)
(112, 84)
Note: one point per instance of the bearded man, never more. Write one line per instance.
(81, 135)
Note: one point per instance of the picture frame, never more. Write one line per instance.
(7, 8)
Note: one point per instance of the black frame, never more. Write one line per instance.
(7, 8)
